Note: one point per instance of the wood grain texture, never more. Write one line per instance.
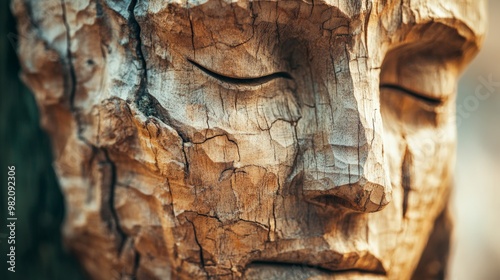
(250, 139)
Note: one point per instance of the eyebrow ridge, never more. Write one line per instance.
(242, 81)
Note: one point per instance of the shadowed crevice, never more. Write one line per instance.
(406, 179)
(427, 99)
(242, 81)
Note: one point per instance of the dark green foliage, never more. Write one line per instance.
(39, 202)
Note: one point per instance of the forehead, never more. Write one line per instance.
(376, 18)
(471, 12)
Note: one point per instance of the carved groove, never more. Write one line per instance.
(242, 81)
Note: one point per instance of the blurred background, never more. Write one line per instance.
(39, 202)
(40, 208)
(476, 200)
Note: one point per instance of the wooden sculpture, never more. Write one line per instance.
(211, 139)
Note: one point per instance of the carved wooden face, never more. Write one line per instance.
(265, 138)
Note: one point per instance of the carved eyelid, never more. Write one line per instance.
(251, 81)
(427, 99)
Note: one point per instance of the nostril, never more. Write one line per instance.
(333, 200)
(369, 197)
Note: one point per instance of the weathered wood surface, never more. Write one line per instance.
(257, 140)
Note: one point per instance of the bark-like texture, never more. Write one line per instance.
(249, 139)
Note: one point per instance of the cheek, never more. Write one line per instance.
(227, 205)
(236, 176)
(421, 168)
(273, 149)
(431, 163)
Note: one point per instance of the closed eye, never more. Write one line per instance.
(427, 99)
(249, 81)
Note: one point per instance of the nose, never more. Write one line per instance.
(348, 172)
(343, 162)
